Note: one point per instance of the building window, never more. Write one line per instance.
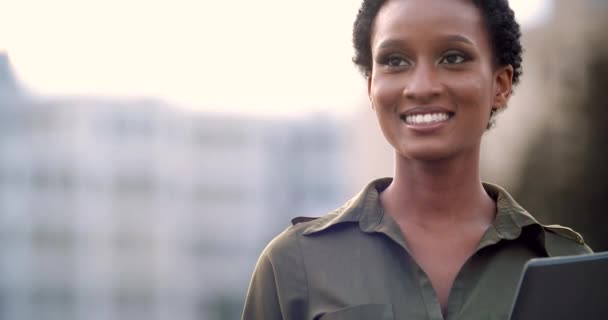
(52, 302)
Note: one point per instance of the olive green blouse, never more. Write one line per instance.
(353, 263)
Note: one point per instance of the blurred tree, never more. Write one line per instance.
(565, 179)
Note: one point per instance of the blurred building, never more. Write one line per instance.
(117, 208)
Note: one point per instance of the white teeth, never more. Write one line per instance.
(426, 118)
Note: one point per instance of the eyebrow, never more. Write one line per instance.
(458, 38)
(391, 43)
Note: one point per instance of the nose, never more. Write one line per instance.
(422, 84)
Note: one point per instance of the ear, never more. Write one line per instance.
(369, 90)
(503, 78)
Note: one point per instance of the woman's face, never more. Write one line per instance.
(433, 81)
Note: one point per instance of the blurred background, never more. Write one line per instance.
(149, 150)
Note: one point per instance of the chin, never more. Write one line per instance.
(427, 153)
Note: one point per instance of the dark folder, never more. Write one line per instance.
(572, 287)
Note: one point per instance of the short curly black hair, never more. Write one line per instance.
(504, 34)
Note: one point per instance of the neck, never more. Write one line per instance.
(436, 193)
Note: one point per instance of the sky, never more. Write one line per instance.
(274, 57)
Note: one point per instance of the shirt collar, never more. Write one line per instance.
(365, 208)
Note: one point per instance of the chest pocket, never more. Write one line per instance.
(361, 312)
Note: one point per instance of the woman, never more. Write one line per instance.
(433, 242)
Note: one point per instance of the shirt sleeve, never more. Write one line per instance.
(262, 300)
(278, 289)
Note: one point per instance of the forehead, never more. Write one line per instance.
(427, 18)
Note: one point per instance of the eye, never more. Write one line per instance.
(395, 61)
(454, 58)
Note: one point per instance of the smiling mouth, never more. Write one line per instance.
(426, 118)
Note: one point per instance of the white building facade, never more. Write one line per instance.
(133, 209)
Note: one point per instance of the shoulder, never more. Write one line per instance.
(292, 240)
(308, 234)
(286, 246)
(565, 232)
(280, 267)
(288, 241)
(558, 240)
(283, 245)
(561, 241)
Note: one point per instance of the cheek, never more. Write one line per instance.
(473, 92)
(386, 96)
(385, 93)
